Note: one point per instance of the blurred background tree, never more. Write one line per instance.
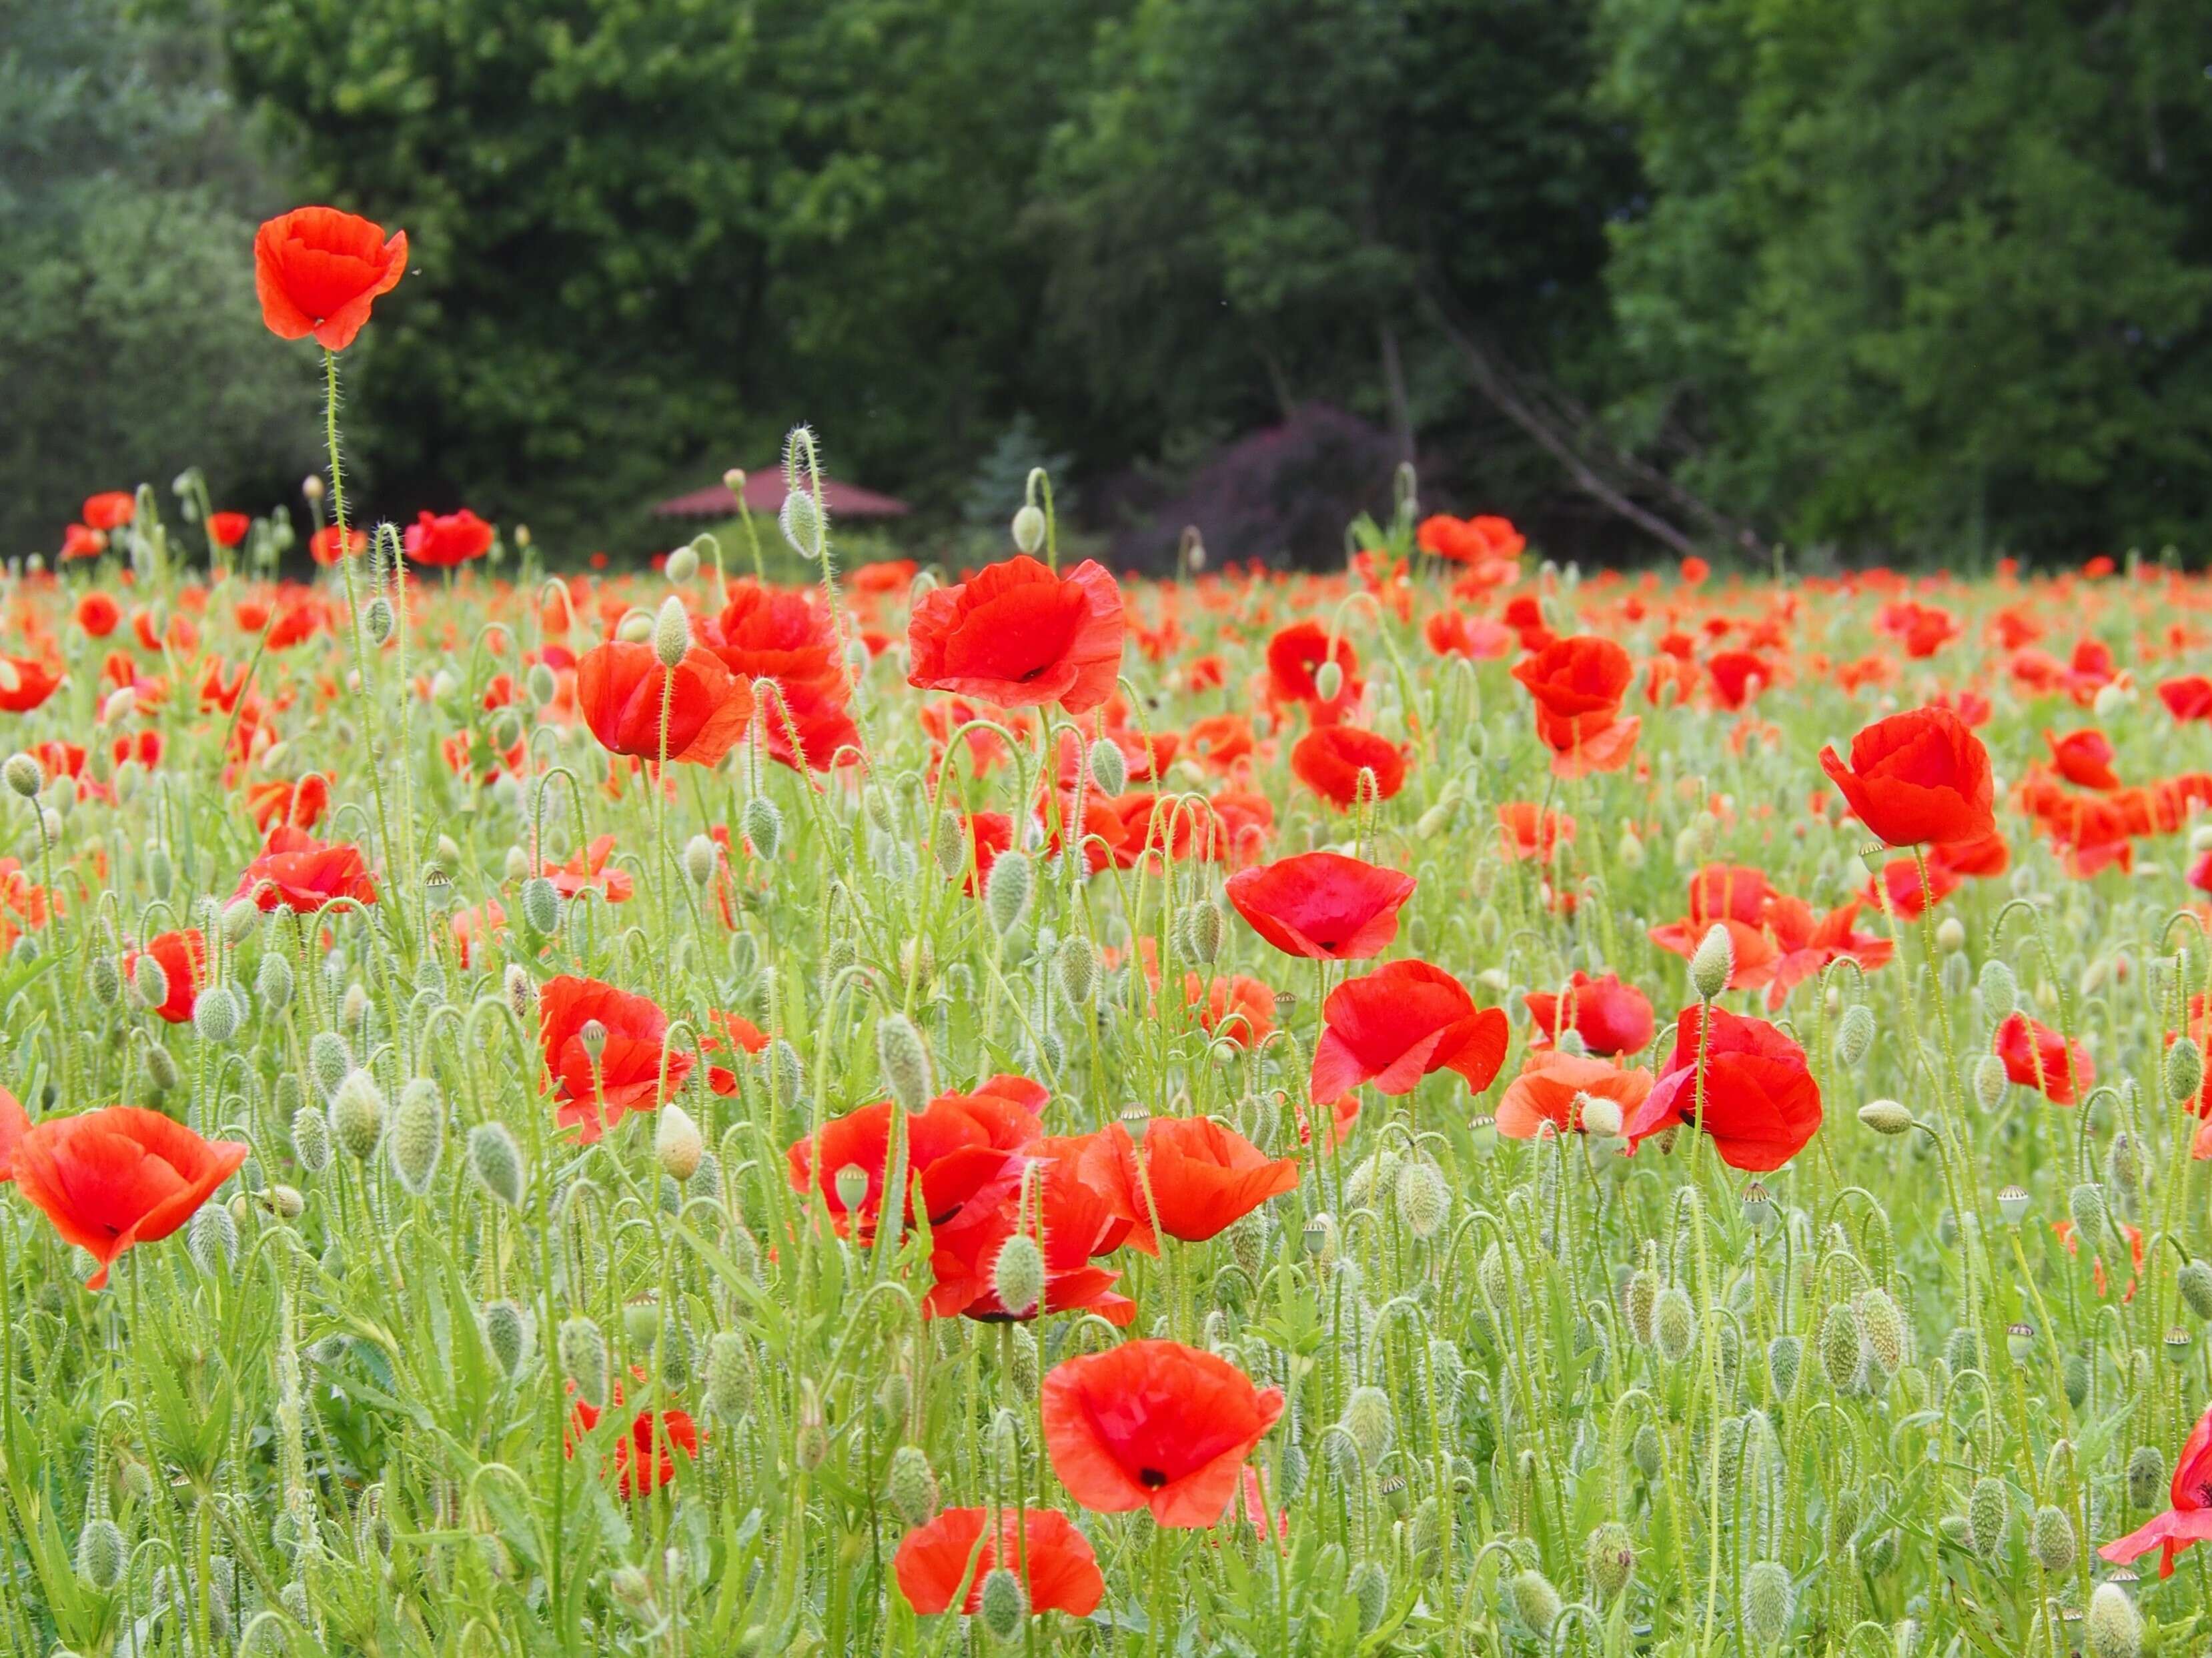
(1903, 279)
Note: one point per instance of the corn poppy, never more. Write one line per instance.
(1553, 1087)
(1341, 763)
(2188, 697)
(1576, 685)
(1610, 1017)
(1157, 1425)
(2188, 1518)
(2035, 1056)
(318, 270)
(622, 690)
(183, 960)
(1020, 636)
(1296, 657)
(2083, 758)
(1321, 905)
(324, 546)
(603, 1050)
(1527, 831)
(296, 871)
(1040, 1546)
(82, 541)
(1395, 1025)
(765, 632)
(644, 1459)
(227, 529)
(1071, 1221)
(1759, 1101)
(110, 509)
(118, 1176)
(1234, 1007)
(26, 683)
(15, 1123)
(442, 540)
(1917, 777)
(1197, 1176)
(1000, 1117)
(99, 615)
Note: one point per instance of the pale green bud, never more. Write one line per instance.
(496, 1162)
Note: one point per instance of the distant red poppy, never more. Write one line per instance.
(1527, 831)
(595, 1091)
(442, 540)
(1758, 1100)
(2188, 697)
(1470, 540)
(24, 683)
(110, 509)
(1296, 656)
(1040, 1546)
(1395, 1025)
(318, 270)
(1154, 1425)
(1070, 1219)
(1552, 1086)
(1337, 762)
(2035, 1056)
(644, 1458)
(2083, 758)
(1321, 905)
(300, 804)
(120, 1176)
(1610, 1017)
(1001, 1117)
(183, 959)
(82, 541)
(15, 1123)
(98, 615)
(2188, 1519)
(298, 872)
(1020, 636)
(1917, 777)
(229, 529)
(1576, 685)
(622, 689)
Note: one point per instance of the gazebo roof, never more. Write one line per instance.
(765, 494)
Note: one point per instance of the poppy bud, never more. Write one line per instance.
(1841, 1344)
(2115, 1627)
(214, 1014)
(522, 993)
(1999, 990)
(106, 980)
(496, 1162)
(635, 628)
(1988, 1081)
(672, 632)
(353, 1008)
(682, 564)
(1002, 1604)
(1644, 1450)
(1018, 1276)
(272, 981)
(583, 1354)
(1109, 767)
(2184, 1069)
(329, 1060)
(1855, 1034)
(729, 1377)
(911, 1487)
(706, 1180)
(24, 775)
(1988, 1510)
(2051, 1540)
(160, 1068)
(764, 826)
(1423, 1199)
(1599, 1116)
(310, 1140)
(1951, 934)
(2146, 1475)
(904, 1061)
(1077, 966)
(101, 1555)
(1533, 1601)
(2085, 1204)
(1204, 926)
(418, 1135)
(505, 1332)
(356, 1113)
(1768, 1598)
(1885, 1116)
(699, 860)
(211, 1239)
(786, 1076)
(1675, 1324)
(1370, 1594)
(1713, 963)
(1640, 1304)
(377, 617)
(1328, 680)
(542, 684)
(2195, 1285)
(1881, 1326)
(541, 905)
(1028, 527)
(1610, 1556)
(1008, 890)
(1785, 1357)
(151, 981)
(801, 524)
(1369, 1422)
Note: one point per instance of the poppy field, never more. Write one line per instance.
(1453, 1105)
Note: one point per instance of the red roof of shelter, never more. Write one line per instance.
(765, 494)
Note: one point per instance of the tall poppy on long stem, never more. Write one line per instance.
(112, 1179)
(1154, 1425)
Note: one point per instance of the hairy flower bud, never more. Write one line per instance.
(1640, 1305)
(541, 905)
(1989, 1511)
(762, 825)
(2184, 1069)
(1424, 1198)
(671, 632)
(1203, 927)
(1841, 1344)
(1534, 1602)
(357, 1114)
(418, 1135)
(2146, 1475)
(911, 1486)
(310, 1140)
(904, 1061)
(1999, 990)
(1675, 1324)
(1854, 1035)
(102, 1554)
(1018, 1275)
(2051, 1540)
(1076, 962)
(583, 1353)
(2115, 1628)
(1028, 527)
(1003, 1605)
(215, 1015)
(1109, 767)
(507, 1333)
(1007, 890)
(1768, 1599)
(24, 775)
(1882, 1328)
(211, 1239)
(1370, 1422)
(2085, 1204)
(699, 860)
(1988, 1080)
(1713, 963)
(149, 981)
(1610, 1556)
(496, 1162)
(1785, 1357)
(1885, 1116)
(677, 1142)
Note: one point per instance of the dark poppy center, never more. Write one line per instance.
(1151, 1479)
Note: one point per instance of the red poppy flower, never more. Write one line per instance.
(1321, 905)
(1395, 1025)
(82, 541)
(1234, 1007)
(1336, 761)
(1041, 1547)
(1154, 1425)
(1470, 540)
(1198, 1177)
(2188, 1519)
(323, 545)
(2188, 697)
(596, 1092)
(24, 683)
(1576, 685)
(1527, 830)
(2035, 1056)
(98, 615)
(1295, 658)
(298, 872)
(110, 509)
(229, 529)
(112, 1178)
(1552, 1086)
(622, 689)
(183, 958)
(1761, 1104)
(1020, 636)
(15, 1123)
(301, 805)
(2084, 758)
(1071, 1220)
(589, 871)
(1452, 634)
(1916, 777)
(318, 270)
(1000, 1118)
(644, 1459)
(442, 540)
(1610, 1017)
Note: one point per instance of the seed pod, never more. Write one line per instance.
(763, 827)
(505, 1332)
(272, 981)
(329, 1061)
(677, 1142)
(1768, 1597)
(1713, 963)
(541, 906)
(1999, 990)
(101, 1555)
(1007, 890)
(904, 1061)
(1076, 964)
(1639, 1305)
(1002, 1604)
(1534, 1602)
(583, 1354)
(1881, 1326)
(1610, 1556)
(1371, 1593)
(1989, 1081)
(2115, 1627)
(2146, 1475)
(1370, 1422)
(1785, 1357)
(211, 1239)
(496, 1162)
(1017, 1275)
(1675, 1324)
(2053, 1541)
(1424, 1198)
(699, 860)
(357, 1114)
(1854, 1036)
(2184, 1069)
(1841, 1343)
(1988, 1510)
(729, 1377)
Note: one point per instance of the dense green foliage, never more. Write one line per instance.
(1890, 276)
